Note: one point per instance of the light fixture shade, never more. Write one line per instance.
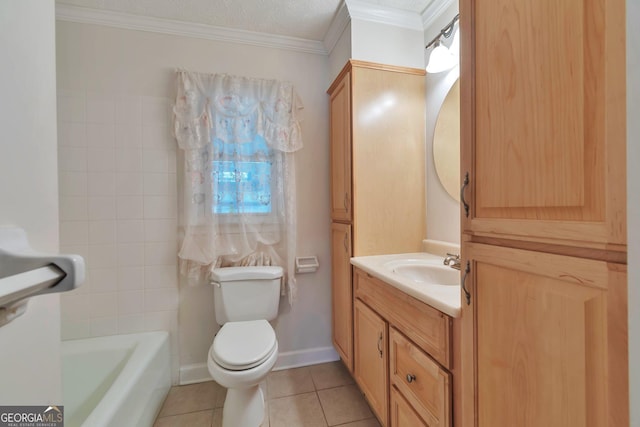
(441, 59)
(455, 45)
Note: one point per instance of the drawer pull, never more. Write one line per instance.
(380, 344)
(411, 378)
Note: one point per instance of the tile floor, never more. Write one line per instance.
(313, 396)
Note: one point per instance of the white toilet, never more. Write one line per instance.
(245, 349)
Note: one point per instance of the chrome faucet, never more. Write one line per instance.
(452, 260)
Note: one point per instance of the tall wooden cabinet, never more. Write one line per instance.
(544, 330)
(377, 175)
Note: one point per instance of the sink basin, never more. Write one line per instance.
(424, 271)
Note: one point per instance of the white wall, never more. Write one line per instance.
(386, 44)
(340, 53)
(633, 203)
(443, 212)
(30, 356)
(102, 61)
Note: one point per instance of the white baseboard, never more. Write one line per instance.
(198, 372)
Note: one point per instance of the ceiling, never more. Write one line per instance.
(306, 19)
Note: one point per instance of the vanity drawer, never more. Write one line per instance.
(423, 324)
(423, 383)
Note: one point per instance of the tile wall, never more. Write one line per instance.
(118, 209)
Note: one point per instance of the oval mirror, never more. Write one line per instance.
(446, 142)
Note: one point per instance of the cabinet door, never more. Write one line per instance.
(372, 359)
(342, 292)
(544, 340)
(543, 120)
(402, 414)
(340, 128)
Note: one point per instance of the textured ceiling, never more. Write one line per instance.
(307, 19)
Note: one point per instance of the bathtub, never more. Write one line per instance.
(118, 380)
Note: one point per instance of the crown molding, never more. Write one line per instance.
(433, 12)
(336, 28)
(178, 28)
(384, 15)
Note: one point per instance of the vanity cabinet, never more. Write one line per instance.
(371, 364)
(402, 355)
(544, 329)
(377, 158)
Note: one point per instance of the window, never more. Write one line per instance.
(241, 176)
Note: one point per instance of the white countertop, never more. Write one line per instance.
(441, 297)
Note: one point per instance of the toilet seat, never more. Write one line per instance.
(243, 345)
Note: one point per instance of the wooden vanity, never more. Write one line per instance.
(404, 355)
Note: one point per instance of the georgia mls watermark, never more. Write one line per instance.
(31, 416)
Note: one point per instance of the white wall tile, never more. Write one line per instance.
(130, 254)
(161, 299)
(160, 207)
(130, 278)
(101, 135)
(131, 302)
(130, 231)
(161, 321)
(130, 207)
(129, 160)
(155, 161)
(73, 208)
(129, 109)
(74, 330)
(160, 253)
(101, 232)
(74, 232)
(100, 108)
(101, 159)
(161, 276)
(103, 326)
(102, 256)
(128, 136)
(71, 108)
(103, 304)
(102, 208)
(158, 137)
(131, 324)
(74, 306)
(160, 230)
(129, 184)
(156, 184)
(101, 183)
(172, 161)
(72, 159)
(155, 110)
(72, 135)
(103, 280)
(72, 183)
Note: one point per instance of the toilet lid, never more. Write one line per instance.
(243, 345)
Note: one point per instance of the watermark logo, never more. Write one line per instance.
(31, 416)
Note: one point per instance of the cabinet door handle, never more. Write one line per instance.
(464, 186)
(380, 344)
(346, 201)
(345, 243)
(467, 270)
(411, 378)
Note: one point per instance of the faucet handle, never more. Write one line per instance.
(453, 255)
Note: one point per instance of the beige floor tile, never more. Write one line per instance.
(193, 397)
(217, 418)
(343, 405)
(371, 422)
(289, 382)
(193, 419)
(328, 375)
(302, 410)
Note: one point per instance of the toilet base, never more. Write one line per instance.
(243, 407)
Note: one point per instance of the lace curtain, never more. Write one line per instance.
(239, 136)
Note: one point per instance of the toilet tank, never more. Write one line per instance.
(246, 293)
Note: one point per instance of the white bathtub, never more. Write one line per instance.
(118, 380)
